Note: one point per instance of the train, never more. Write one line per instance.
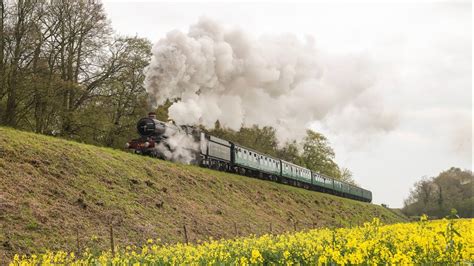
(219, 154)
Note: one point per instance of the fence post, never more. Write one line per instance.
(294, 225)
(271, 229)
(77, 242)
(112, 244)
(235, 229)
(185, 234)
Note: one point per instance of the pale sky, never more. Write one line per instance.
(421, 53)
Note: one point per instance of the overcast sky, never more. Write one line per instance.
(422, 59)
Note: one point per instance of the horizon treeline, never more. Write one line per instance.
(437, 196)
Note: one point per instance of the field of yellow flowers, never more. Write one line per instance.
(431, 242)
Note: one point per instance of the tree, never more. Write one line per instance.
(346, 176)
(290, 152)
(162, 111)
(18, 53)
(436, 196)
(2, 48)
(262, 139)
(318, 155)
(84, 64)
(123, 98)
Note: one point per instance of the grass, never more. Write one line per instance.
(58, 194)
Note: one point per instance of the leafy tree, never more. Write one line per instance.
(436, 196)
(262, 139)
(346, 176)
(318, 155)
(290, 152)
(162, 111)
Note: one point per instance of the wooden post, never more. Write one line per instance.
(235, 229)
(77, 242)
(271, 229)
(294, 225)
(185, 234)
(112, 244)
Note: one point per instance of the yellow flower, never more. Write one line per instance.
(286, 254)
(244, 261)
(256, 256)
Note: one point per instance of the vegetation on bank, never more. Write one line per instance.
(424, 242)
(63, 195)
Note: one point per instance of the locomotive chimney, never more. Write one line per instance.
(152, 115)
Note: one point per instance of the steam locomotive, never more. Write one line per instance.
(164, 140)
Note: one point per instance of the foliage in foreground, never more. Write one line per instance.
(440, 242)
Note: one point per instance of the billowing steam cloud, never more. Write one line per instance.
(277, 81)
(178, 146)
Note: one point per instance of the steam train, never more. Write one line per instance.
(158, 139)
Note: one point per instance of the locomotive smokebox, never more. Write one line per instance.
(149, 126)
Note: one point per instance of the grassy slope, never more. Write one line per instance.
(53, 192)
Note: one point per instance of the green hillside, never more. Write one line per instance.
(58, 194)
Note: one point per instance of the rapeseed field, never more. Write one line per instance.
(424, 242)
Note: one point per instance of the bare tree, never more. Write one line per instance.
(2, 47)
(23, 19)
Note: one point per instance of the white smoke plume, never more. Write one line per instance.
(279, 81)
(178, 146)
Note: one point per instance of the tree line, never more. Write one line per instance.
(437, 196)
(313, 152)
(64, 72)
